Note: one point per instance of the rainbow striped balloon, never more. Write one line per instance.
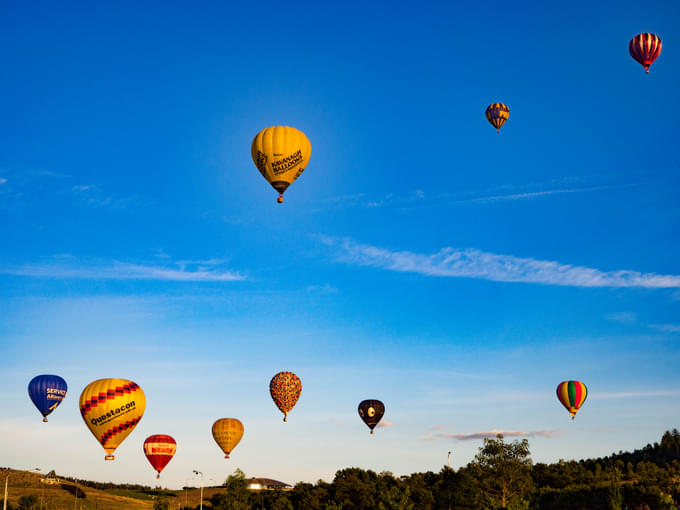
(572, 394)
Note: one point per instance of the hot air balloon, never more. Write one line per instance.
(645, 48)
(227, 433)
(572, 394)
(281, 154)
(159, 450)
(371, 411)
(111, 408)
(497, 114)
(47, 392)
(285, 389)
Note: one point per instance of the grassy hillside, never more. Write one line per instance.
(62, 496)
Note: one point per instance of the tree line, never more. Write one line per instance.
(501, 476)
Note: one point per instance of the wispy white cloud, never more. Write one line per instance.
(622, 317)
(666, 328)
(178, 272)
(504, 193)
(81, 187)
(473, 263)
(91, 195)
(383, 424)
(324, 289)
(603, 395)
(494, 433)
(535, 194)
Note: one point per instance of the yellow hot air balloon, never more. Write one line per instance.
(111, 408)
(227, 433)
(281, 154)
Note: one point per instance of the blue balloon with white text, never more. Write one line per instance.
(47, 392)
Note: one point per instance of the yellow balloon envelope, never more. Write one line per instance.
(111, 408)
(227, 433)
(281, 154)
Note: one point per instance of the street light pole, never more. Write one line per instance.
(449, 460)
(201, 503)
(4, 505)
(75, 501)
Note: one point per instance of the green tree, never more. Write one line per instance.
(615, 495)
(236, 496)
(505, 470)
(355, 489)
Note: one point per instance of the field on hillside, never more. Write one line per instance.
(62, 496)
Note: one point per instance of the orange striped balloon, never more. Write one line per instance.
(645, 48)
(572, 394)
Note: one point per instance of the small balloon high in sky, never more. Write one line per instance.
(281, 154)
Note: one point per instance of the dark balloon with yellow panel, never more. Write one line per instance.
(497, 114)
(371, 411)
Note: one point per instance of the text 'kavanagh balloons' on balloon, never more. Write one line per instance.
(497, 114)
(371, 411)
(47, 392)
(227, 433)
(645, 48)
(572, 394)
(281, 154)
(285, 389)
(159, 450)
(111, 409)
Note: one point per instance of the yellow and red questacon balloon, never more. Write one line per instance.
(645, 48)
(281, 154)
(285, 389)
(111, 409)
(227, 433)
(572, 394)
(497, 114)
(159, 450)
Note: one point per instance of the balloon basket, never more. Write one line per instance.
(44, 420)
(109, 457)
(158, 476)
(280, 199)
(226, 455)
(371, 432)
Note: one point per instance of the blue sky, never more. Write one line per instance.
(454, 273)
